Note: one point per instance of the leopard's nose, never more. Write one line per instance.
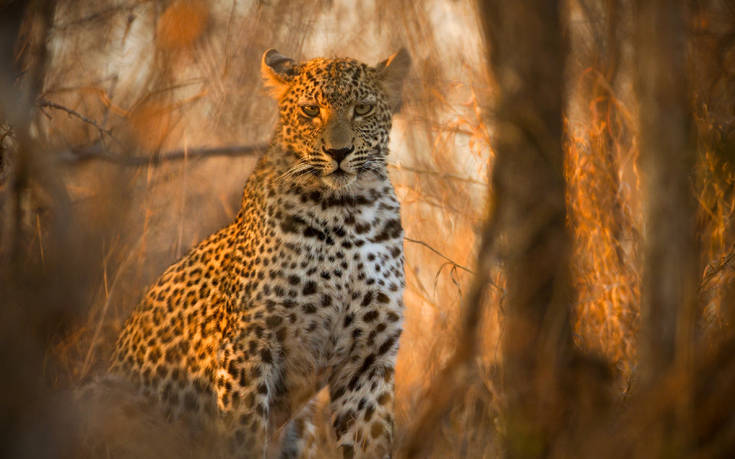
(338, 154)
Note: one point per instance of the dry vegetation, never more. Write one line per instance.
(527, 159)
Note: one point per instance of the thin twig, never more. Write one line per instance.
(449, 260)
(48, 103)
(86, 365)
(443, 175)
(102, 14)
(444, 385)
(155, 159)
(714, 268)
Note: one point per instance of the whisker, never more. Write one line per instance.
(300, 168)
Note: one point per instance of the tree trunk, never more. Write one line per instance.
(667, 160)
(527, 56)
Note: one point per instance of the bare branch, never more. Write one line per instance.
(717, 266)
(444, 385)
(442, 175)
(102, 14)
(47, 103)
(449, 260)
(155, 159)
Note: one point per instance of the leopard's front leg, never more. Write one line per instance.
(362, 389)
(245, 382)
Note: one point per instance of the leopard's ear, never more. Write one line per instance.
(391, 73)
(277, 71)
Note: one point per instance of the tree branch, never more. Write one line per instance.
(155, 159)
(76, 155)
(47, 103)
(449, 260)
(717, 266)
(442, 175)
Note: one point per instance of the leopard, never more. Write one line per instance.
(302, 291)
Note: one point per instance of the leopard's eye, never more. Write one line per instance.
(310, 110)
(363, 109)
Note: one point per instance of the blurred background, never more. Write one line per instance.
(602, 128)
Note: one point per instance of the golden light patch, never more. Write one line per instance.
(150, 124)
(183, 22)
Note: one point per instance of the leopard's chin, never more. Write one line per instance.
(338, 179)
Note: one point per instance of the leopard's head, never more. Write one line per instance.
(335, 114)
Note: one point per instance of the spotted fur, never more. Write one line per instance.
(303, 290)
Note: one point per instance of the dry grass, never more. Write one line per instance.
(82, 237)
